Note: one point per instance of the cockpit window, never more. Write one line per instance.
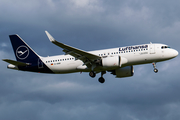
(164, 47)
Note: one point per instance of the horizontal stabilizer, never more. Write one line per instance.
(16, 62)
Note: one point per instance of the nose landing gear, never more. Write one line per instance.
(155, 69)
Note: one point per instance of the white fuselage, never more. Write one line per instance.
(133, 55)
(118, 61)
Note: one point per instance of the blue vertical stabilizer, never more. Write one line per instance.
(22, 51)
(25, 54)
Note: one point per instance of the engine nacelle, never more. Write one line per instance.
(115, 61)
(127, 71)
(111, 61)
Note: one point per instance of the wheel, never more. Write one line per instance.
(92, 74)
(101, 80)
(155, 70)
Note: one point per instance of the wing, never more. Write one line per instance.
(77, 53)
(15, 62)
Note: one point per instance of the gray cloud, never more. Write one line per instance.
(89, 25)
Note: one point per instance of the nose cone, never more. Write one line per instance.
(169, 54)
(175, 53)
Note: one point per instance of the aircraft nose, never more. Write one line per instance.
(175, 53)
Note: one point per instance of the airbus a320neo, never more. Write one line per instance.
(118, 61)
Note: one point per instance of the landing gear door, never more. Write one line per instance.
(152, 49)
(40, 63)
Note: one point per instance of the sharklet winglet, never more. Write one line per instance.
(50, 37)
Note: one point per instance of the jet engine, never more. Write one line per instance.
(127, 71)
(115, 61)
(111, 61)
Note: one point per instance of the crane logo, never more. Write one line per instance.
(22, 52)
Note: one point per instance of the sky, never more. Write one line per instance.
(90, 25)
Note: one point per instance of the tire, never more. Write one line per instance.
(155, 70)
(92, 74)
(101, 80)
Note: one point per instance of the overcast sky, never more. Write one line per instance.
(90, 25)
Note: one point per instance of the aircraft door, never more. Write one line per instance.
(152, 49)
(40, 63)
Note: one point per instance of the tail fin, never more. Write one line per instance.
(22, 51)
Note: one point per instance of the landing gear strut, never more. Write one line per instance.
(101, 79)
(155, 69)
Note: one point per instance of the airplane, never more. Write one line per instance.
(118, 61)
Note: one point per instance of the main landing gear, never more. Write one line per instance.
(101, 79)
(155, 69)
(92, 74)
